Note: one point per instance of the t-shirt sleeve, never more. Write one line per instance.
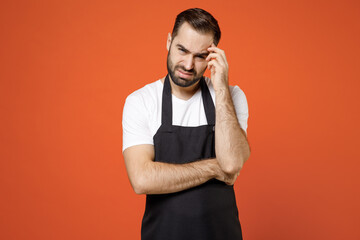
(135, 122)
(241, 106)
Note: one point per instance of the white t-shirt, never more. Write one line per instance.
(142, 112)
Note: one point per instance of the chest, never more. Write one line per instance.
(190, 113)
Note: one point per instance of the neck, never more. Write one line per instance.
(184, 93)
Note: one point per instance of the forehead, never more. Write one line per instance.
(193, 40)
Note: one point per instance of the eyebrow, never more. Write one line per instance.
(203, 54)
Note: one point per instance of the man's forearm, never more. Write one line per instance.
(231, 146)
(160, 178)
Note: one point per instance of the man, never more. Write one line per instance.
(171, 136)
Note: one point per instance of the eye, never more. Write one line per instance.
(201, 57)
(182, 50)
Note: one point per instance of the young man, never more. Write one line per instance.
(171, 136)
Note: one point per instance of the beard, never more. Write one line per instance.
(178, 80)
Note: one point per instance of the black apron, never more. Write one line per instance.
(205, 212)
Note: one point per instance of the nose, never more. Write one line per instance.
(189, 62)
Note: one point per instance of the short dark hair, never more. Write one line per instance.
(200, 20)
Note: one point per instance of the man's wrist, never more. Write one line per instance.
(213, 168)
(221, 90)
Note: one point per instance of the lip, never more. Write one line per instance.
(184, 74)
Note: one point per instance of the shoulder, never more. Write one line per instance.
(145, 93)
(237, 92)
(144, 99)
(138, 113)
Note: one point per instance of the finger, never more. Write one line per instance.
(213, 65)
(213, 48)
(218, 57)
(217, 50)
(219, 54)
(212, 55)
(217, 65)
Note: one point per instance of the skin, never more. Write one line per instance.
(187, 54)
(190, 53)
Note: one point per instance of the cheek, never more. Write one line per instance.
(201, 66)
(175, 59)
(172, 56)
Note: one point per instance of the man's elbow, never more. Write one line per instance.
(234, 167)
(139, 185)
(139, 190)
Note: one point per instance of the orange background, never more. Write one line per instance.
(66, 68)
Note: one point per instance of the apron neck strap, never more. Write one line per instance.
(166, 117)
(208, 102)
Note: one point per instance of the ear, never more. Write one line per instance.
(168, 42)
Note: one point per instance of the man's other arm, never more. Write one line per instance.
(232, 155)
(149, 177)
(231, 145)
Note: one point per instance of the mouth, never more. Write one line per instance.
(183, 74)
